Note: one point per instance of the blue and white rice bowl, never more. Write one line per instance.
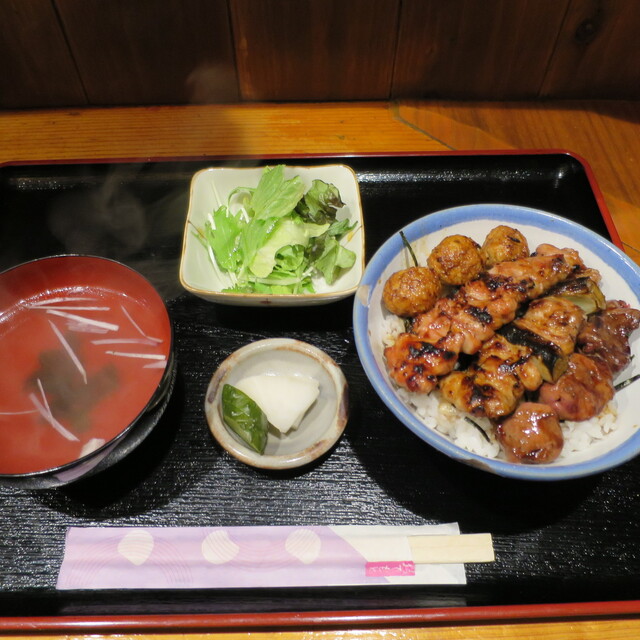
(591, 447)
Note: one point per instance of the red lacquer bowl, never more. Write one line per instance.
(87, 349)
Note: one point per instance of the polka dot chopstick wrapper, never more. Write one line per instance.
(269, 556)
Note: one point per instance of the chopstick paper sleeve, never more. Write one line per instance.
(267, 556)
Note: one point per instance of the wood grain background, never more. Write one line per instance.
(66, 53)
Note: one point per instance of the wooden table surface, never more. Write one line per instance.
(606, 134)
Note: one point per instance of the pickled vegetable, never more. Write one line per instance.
(244, 417)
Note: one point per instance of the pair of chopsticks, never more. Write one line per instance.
(447, 549)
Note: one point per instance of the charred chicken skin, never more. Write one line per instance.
(517, 360)
(463, 322)
(494, 384)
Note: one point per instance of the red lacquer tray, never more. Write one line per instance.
(562, 549)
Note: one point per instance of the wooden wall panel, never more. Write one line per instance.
(145, 52)
(66, 53)
(484, 49)
(37, 67)
(315, 50)
(598, 52)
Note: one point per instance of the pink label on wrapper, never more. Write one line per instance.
(402, 568)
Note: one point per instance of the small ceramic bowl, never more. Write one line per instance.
(90, 344)
(210, 188)
(320, 428)
(620, 281)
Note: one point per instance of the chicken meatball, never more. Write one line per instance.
(532, 434)
(411, 291)
(503, 244)
(456, 260)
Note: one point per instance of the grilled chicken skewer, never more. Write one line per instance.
(461, 323)
(530, 350)
(533, 433)
(602, 352)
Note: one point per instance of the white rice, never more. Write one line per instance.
(441, 416)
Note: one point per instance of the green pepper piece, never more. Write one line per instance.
(245, 417)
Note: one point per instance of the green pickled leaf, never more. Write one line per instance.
(244, 417)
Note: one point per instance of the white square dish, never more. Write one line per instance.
(210, 189)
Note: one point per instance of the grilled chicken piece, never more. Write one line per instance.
(555, 319)
(533, 348)
(455, 325)
(603, 351)
(531, 434)
(547, 249)
(415, 364)
(580, 271)
(477, 310)
(494, 384)
(582, 392)
(607, 334)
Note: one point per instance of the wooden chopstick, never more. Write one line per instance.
(447, 549)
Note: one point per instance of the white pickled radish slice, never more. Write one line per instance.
(283, 398)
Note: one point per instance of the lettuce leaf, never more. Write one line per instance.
(320, 203)
(334, 260)
(224, 238)
(274, 196)
(287, 232)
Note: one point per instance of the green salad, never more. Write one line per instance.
(280, 237)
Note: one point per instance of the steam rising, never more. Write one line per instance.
(107, 221)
